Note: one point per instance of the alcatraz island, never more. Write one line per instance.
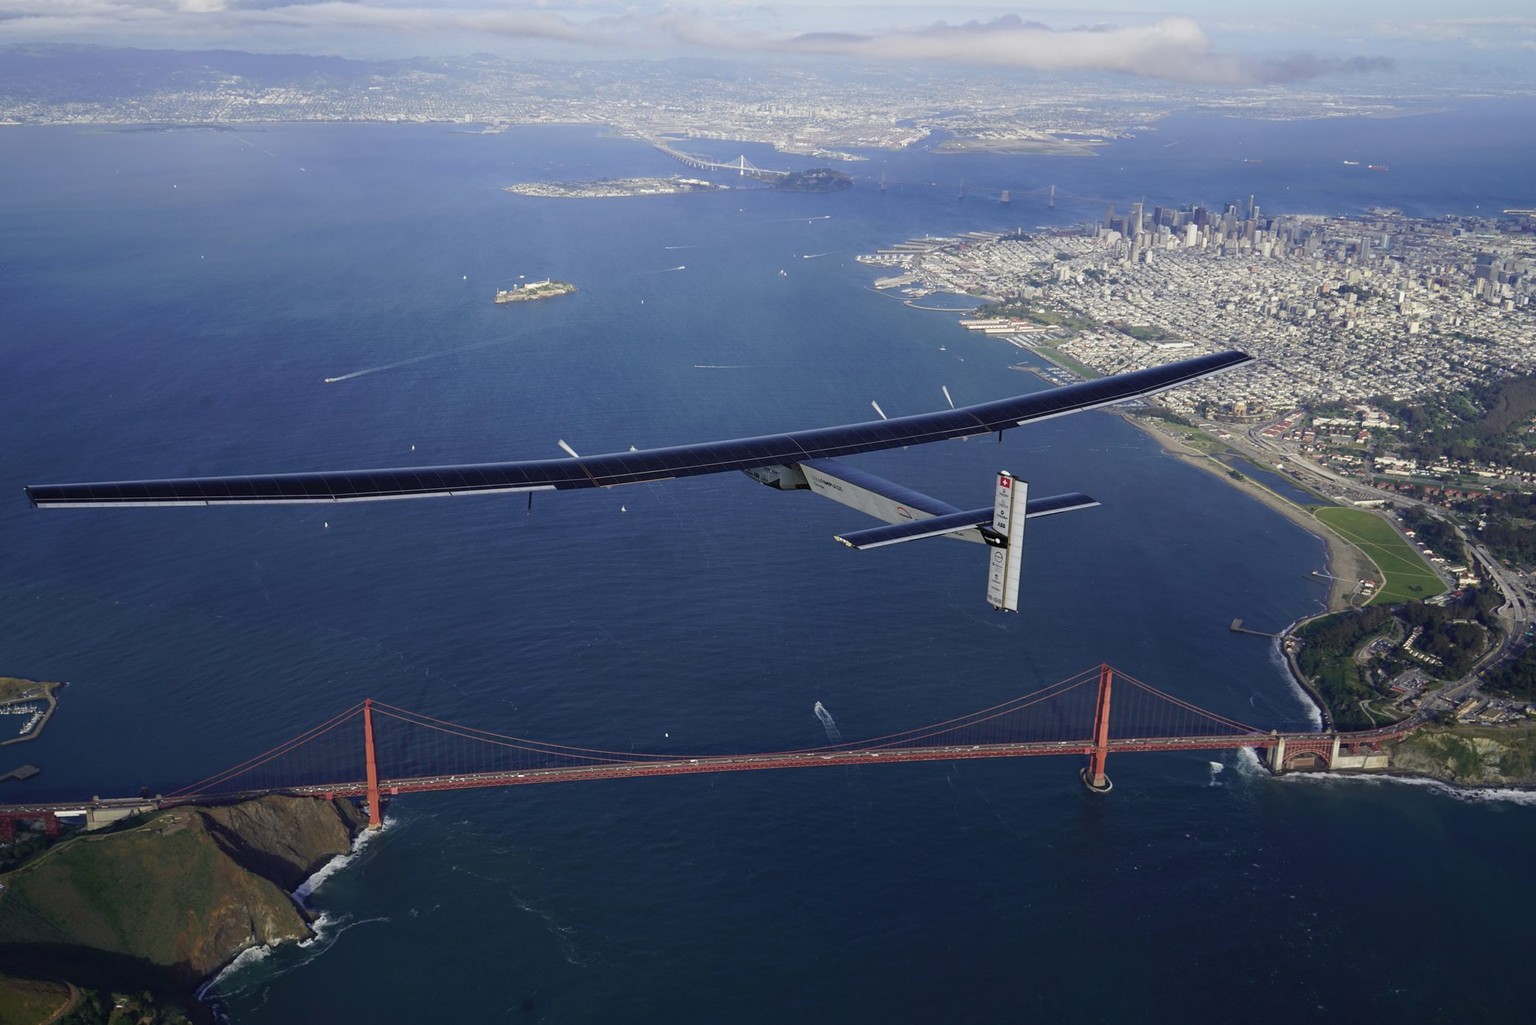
(534, 291)
(1391, 412)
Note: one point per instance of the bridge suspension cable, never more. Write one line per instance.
(375, 749)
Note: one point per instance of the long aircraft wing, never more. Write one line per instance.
(635, 467)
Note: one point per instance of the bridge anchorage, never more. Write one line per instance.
(374, 752)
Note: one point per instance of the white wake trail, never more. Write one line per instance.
(828, 723)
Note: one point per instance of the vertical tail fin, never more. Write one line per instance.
(1008, 511)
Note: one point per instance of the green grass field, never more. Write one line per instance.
(1408, 576)
(25, 1002)
(1051, 352)
(11, 688)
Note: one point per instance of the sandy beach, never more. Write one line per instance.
(1346, 563)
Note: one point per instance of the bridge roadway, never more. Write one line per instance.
(783, 760)
(700, 164)
(726, 763)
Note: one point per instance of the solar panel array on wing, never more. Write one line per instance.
(635, 467)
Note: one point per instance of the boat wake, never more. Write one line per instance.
(407, 362)
(828, 723)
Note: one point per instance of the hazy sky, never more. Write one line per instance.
(1196, 40)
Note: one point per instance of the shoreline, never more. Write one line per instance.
(1343, 563)
(1492, 791)
(206, 992)
(50, 698)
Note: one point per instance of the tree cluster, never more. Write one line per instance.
(1477, 425)
(1517, 678)
(1434, 533)
(1456, 634)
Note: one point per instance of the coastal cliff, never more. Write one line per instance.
(1468, 756)
(165, 903)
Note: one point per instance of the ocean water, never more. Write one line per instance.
(173, 302)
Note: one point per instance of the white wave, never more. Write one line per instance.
(337, 863)
(247, 957)
(1277, 658)
(1249, 765)
(1474, 795)
(327, 930)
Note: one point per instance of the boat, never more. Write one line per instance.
(1351, 163)
(1376, 167)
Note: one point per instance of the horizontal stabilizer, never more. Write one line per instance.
(1070, 502)
(953, 523)
(914, 530)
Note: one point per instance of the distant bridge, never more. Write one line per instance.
(741, 165)
(374, 751)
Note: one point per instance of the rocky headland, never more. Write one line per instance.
(1468, 756)
(161, 904)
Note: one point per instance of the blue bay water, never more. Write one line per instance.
(173, 303)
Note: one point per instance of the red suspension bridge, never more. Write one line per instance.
(374, 751)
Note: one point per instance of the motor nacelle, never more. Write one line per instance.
(785, 478)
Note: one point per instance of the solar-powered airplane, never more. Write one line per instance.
(798, 461)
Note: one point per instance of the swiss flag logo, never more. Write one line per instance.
(1005, 482)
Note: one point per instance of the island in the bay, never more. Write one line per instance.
(533, 291)
(127, 923)
(607, 188)
(816, 179)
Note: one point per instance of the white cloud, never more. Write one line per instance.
(1173, 48)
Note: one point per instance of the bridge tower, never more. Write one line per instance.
(741, 166)
(375, 812)
(1093, 775)
(1277, 753)
(1051, 203)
